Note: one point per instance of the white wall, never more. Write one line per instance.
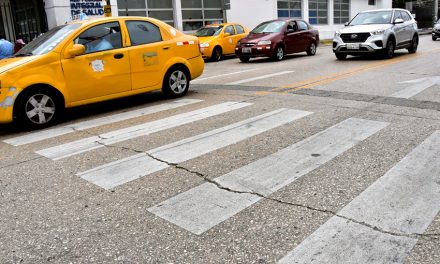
(250, 13)
(58, 11)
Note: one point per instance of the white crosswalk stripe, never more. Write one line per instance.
(205, 206)
(114, 174)
(401, 204)
(59, 131)
(95, 142)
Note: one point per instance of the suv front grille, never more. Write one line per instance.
(355, 37)
(248, 44)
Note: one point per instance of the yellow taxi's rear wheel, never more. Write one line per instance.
(176, 82)
(38, 108)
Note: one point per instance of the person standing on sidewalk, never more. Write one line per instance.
(6, 48)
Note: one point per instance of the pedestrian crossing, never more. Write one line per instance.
(116, 173)
(381, 225)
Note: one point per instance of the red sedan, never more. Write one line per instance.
(276, 38)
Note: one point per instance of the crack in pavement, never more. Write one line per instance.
(426, 236)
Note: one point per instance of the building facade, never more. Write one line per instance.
(28, 18)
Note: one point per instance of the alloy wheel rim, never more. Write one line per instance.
(178, 82)
(280, 53)
(313, 48)
(40, 109)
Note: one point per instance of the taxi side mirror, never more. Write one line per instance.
(76, 50)
(226, 34)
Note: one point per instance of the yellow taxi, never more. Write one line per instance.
(91, 61)
(218, 40)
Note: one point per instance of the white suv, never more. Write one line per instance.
(376, 31)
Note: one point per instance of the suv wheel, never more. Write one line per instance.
(341, 56)
(414, 44)
(434, 38)
(388, 52)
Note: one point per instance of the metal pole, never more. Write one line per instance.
(435, 10)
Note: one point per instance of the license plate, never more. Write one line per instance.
(246, 50)
(353, 46)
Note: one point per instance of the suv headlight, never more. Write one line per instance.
(204, 45)
(337, 34)
(264, 42)
(378, 32)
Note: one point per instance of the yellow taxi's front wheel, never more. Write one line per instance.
(176, 82)
(38, 108)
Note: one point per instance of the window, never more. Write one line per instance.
(239, 29)
(302, 25)
(198, 13)
(341, 13)
(406, 16)
(101, 37)
(318, 11)
(142, 32)
(289, 8)
(397, 15)
(230, 30)
(159, 9)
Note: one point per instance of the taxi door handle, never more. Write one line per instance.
(166, 47)
(118, 56)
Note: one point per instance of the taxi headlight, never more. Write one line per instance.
(204, 45)
(264, 42)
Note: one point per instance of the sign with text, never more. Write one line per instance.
(87, 7)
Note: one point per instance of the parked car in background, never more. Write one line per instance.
(377, 31)
(276, 38)
(436, 30)
(90, 61)
(219, 40)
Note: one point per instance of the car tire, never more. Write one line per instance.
(38, 108)
(244, 59)
(414, 44)
(434, 38)
(341, 56)
(388, 52)
(217, 54)
(312, 49)
(279, 53)
(176, 82)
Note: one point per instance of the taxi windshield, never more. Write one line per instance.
(269, 27)
(48, 41)
(208, 31)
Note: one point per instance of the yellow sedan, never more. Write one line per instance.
(91, 61)
(219, 40)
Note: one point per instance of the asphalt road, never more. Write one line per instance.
(308, 160)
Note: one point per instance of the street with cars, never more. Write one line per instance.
(298, 159)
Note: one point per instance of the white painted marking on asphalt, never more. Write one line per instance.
(222, 75)
(54, 132)
(205, 206)
(259, 78)
(87, 144)
(116, 173)
(404, 201)
(419, 86)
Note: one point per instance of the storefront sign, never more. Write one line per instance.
(88, 7)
